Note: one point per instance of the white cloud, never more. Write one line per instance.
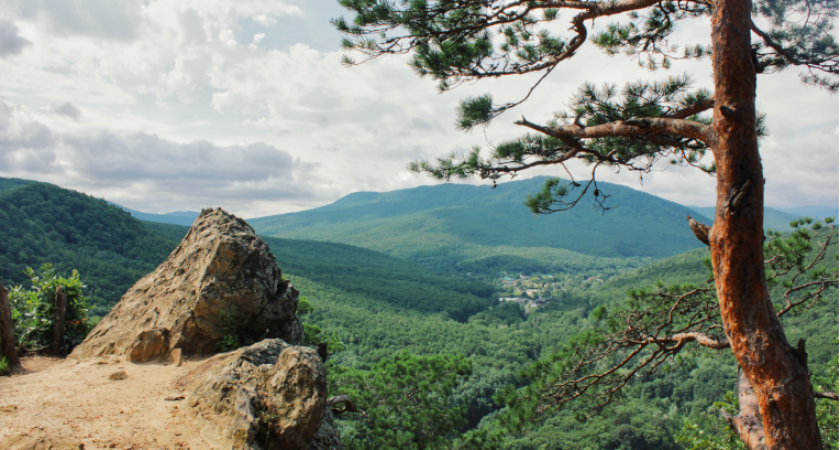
(264, 20)
(152, 171)
(230, 74)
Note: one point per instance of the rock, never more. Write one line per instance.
(268, 396)
(29, 442)
(220, 268)
(327, 437)
(118, 375)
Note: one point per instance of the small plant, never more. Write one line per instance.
(231, 333)
(4, 366)
(33, 310)
(312, 334)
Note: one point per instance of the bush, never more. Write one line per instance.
(33, 310)
(4, 366)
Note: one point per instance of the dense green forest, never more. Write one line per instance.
(44, 223)
(464, 228)
(380, 305)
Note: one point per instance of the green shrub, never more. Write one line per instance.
(232, 335)
(33, 310)
(4, 366)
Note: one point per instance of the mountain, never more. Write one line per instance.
(475, 228)
(44, 223)
(385, 282)
(815, 211)
(12, 183)
(773, 218)
(185, 218)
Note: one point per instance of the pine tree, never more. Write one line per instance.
(458, 41)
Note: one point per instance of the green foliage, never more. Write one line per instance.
(5, 369)
(42, 222)
(12, 183)
(33, 310)
(407, 400)
(462, 228)
(312, 334)
(233, 336)
(828, 415)
(721, 437)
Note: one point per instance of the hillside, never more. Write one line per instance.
(185, 218)
(370, 279)
(45, 223)
(774, 219)
(12, 183)
(478, 229)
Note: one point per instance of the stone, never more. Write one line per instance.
(327, 437)
(221, 268)
(29, 442)
(118, 375)
(268, 396)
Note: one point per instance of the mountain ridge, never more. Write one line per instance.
(450, 224)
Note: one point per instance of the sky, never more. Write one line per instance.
(173, 105)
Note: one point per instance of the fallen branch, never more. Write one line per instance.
(828, 395)
(348, 405)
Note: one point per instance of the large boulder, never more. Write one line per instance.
(268, 396)
(221, 268)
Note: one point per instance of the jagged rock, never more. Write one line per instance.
(327, 437)
(268, 396)
(29, 442)
(221, 267)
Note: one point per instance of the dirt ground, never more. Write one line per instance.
(86, 401)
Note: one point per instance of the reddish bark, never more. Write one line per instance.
(779, 378)
(7, 337)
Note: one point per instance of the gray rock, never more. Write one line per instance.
(221, 267)
(327, 437)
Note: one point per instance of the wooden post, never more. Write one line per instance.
(7, 336)
(60, 313)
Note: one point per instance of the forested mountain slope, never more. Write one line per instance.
(12, 183)
(44, 223)
(476, 228)
(773, 218)
(185, 218)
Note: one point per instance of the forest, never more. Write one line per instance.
(389, 313)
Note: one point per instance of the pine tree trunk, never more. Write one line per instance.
(7, 337)
(778, 376)
(60, 314)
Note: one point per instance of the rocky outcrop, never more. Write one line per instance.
(220, 268)
(268, 396)
(327, 437)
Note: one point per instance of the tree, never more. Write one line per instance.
(454, 42)
(406, 401)
(33, 310)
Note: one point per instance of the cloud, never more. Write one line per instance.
(68, 110)
(165, 174)
(215, 77)
(10, 41)
(265, 20)
(100, 18)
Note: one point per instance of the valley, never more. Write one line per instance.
(422, 298)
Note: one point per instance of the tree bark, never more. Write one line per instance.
(60, 314)
(7, 336)
(779, 378)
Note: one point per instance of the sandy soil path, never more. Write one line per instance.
(82, 400)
